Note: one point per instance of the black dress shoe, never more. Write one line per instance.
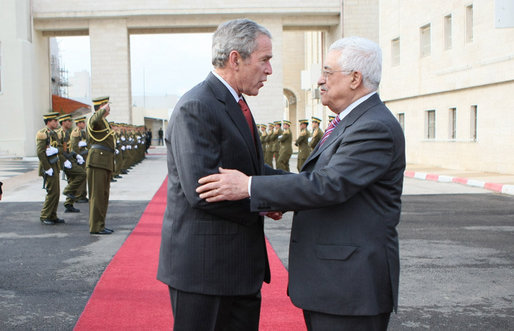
(46, 221)
(101, 232)
(82, 200)
(117, 176)
(110, 230)
(58, 221)
(113, 180)
(71, 209)
(124, 172)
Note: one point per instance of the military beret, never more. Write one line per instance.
(64, 117)
(51, 116)
(315, 119)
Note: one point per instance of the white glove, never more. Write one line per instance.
(135, 147)
(117, 151)
(82, 143)
(123, 138)
(50, 172)
(129, 146)
(118, 141)
(80, 159)
(309, 140)
(122, 148)
(280, 137)
(51, 151)
(67, 164)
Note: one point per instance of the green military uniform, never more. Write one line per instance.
(268, 155)
(75, 174)
(263, 135)
(100, 164)
(48, 155)
(78, 143)
(317, 134)
(303, 145)
(275, 144)
(286, 148)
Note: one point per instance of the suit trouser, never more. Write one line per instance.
(99, 184)
(75, 176)
(316, 321)
(53, 189)
(201, 312)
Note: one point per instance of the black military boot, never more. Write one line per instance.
(71, 209)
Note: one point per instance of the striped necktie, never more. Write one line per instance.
(248, 115)
(329, 130)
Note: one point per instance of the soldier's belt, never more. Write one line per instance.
(84, 152)
(53, 160)
(103, 148)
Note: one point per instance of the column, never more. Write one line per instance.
(110, 66)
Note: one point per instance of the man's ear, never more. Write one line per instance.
(233, 59)
(356, 79)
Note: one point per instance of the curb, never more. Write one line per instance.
(496, 187)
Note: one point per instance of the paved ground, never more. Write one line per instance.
(457, 252)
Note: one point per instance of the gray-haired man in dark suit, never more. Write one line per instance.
(343, 253)
(213, 255)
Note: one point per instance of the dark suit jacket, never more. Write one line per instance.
(211, 248)
(343, 256)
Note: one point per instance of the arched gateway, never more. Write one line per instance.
(109, 25)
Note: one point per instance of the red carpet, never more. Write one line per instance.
(129, 297)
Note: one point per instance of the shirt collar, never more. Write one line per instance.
(230, 88)
(352, 106)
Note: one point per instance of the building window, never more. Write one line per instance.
(401, 119)
(430, 124)
(448, 32)
(473, 123)
(425, 40)
(452, 123)
(395, 51)
(469, 23)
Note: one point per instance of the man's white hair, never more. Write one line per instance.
(362, 55)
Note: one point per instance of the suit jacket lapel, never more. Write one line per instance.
(341, 127)
(236, 115)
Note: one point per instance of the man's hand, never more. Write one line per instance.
(82, 143)
(229, 184)
(80, 159)
(50, 172)
(67, 164)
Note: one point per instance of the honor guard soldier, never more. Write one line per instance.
(48, 155)
(70, 164)
(99, 165)
(268, 156)
(317, 133)
(286, 147)
(79, 146)
(263, 135)
(303, 143)
(277, 131)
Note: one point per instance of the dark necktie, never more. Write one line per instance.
(248, 115)
(329, 130)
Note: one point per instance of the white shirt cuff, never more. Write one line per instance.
(249, 187)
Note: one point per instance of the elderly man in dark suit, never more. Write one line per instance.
(213, 255)
(343, 255)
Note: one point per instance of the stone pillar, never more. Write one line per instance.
(110, 66)
(269, 104)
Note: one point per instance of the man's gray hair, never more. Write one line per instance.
(362, 55)
(236, 35)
